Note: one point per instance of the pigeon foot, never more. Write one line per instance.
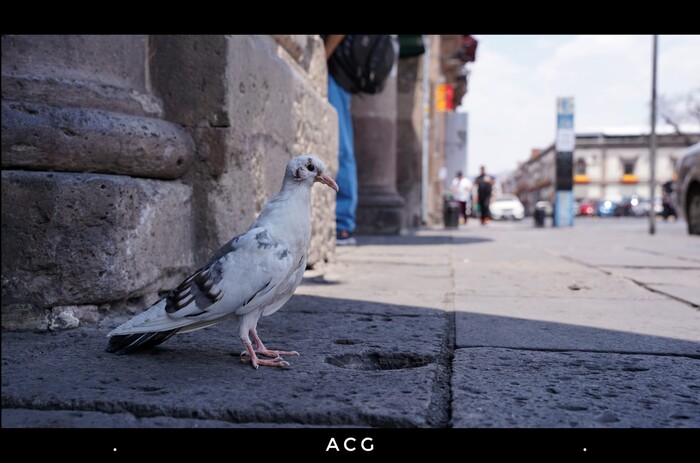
(250, 356)
(261, 349)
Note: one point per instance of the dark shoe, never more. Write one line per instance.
(345, 238)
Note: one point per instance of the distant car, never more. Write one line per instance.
(688, 187)
(587, 208)
(630, 206)
(577, 207)
(642, 208)
(547, 206)
(624, 206)
(607, 208)
(507, 207)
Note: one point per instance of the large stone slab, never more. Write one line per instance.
(80, 239)
(353, 369)
(597, 325)
(513, 388)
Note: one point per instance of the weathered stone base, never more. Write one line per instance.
(379, 213)
(123, 249)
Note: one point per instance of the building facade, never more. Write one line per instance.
(421, 125)
(606, 165)
(128, 160)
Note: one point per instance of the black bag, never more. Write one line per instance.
(362, 63)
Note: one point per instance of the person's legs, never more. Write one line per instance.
(346, 198)
(463, 211)
(484, 210)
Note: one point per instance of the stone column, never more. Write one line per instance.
(93, 209)
(380, 208)
(409, 137)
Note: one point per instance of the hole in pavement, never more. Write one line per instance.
(374, 361)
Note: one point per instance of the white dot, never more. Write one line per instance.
(584, 449)
(115, 449)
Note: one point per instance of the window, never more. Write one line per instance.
(628, 166)
(580, 166)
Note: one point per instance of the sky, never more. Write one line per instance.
(515, 81)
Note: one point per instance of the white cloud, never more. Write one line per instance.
(512, 107)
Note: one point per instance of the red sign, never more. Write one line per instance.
(444, 98)
(449, 97)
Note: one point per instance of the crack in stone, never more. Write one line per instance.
(661, 254)
(638, 283)
(653, 267)
(591, 351)
(658, 291)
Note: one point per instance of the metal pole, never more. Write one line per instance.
(426, 131)
(652, 141)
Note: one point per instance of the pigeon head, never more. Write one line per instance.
(309, 169)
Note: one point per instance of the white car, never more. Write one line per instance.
(507, 207)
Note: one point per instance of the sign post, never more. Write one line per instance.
(564, 147)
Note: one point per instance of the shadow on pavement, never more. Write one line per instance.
(366, 240)
(362, 363)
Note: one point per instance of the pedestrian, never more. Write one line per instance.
(667, 200)
(484, 183)
(461, 189)
(346, 198)
(356, 64)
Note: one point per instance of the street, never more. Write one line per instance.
(504, 325)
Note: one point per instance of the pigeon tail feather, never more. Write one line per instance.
(125, 343)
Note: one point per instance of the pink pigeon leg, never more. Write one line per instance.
(261, 349)
(256, 362)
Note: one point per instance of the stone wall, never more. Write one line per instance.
(128, 160)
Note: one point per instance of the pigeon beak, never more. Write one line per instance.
(326, 180)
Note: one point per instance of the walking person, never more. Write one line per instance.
(346, 199)
(484, 183)
(356, 64)
(461, 189)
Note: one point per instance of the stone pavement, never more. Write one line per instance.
(497, 326)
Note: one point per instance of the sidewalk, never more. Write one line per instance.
(497, 326)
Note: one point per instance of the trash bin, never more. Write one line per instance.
(540, 213)
(451, 213)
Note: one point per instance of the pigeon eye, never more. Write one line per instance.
(311, 167)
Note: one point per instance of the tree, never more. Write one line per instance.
(680, 109)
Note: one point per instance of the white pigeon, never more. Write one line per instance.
(252, 275)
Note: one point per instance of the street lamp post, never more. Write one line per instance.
(652, 141)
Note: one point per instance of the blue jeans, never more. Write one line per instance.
(346, 198)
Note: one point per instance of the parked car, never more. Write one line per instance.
(632, 206)
(587, 208)
(641, 208)
(688, 187)
(607, 208)
(507, 207)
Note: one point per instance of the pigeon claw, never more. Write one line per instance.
(250, 356)
(256, 362)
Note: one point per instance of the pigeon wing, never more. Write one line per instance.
(243, 275)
